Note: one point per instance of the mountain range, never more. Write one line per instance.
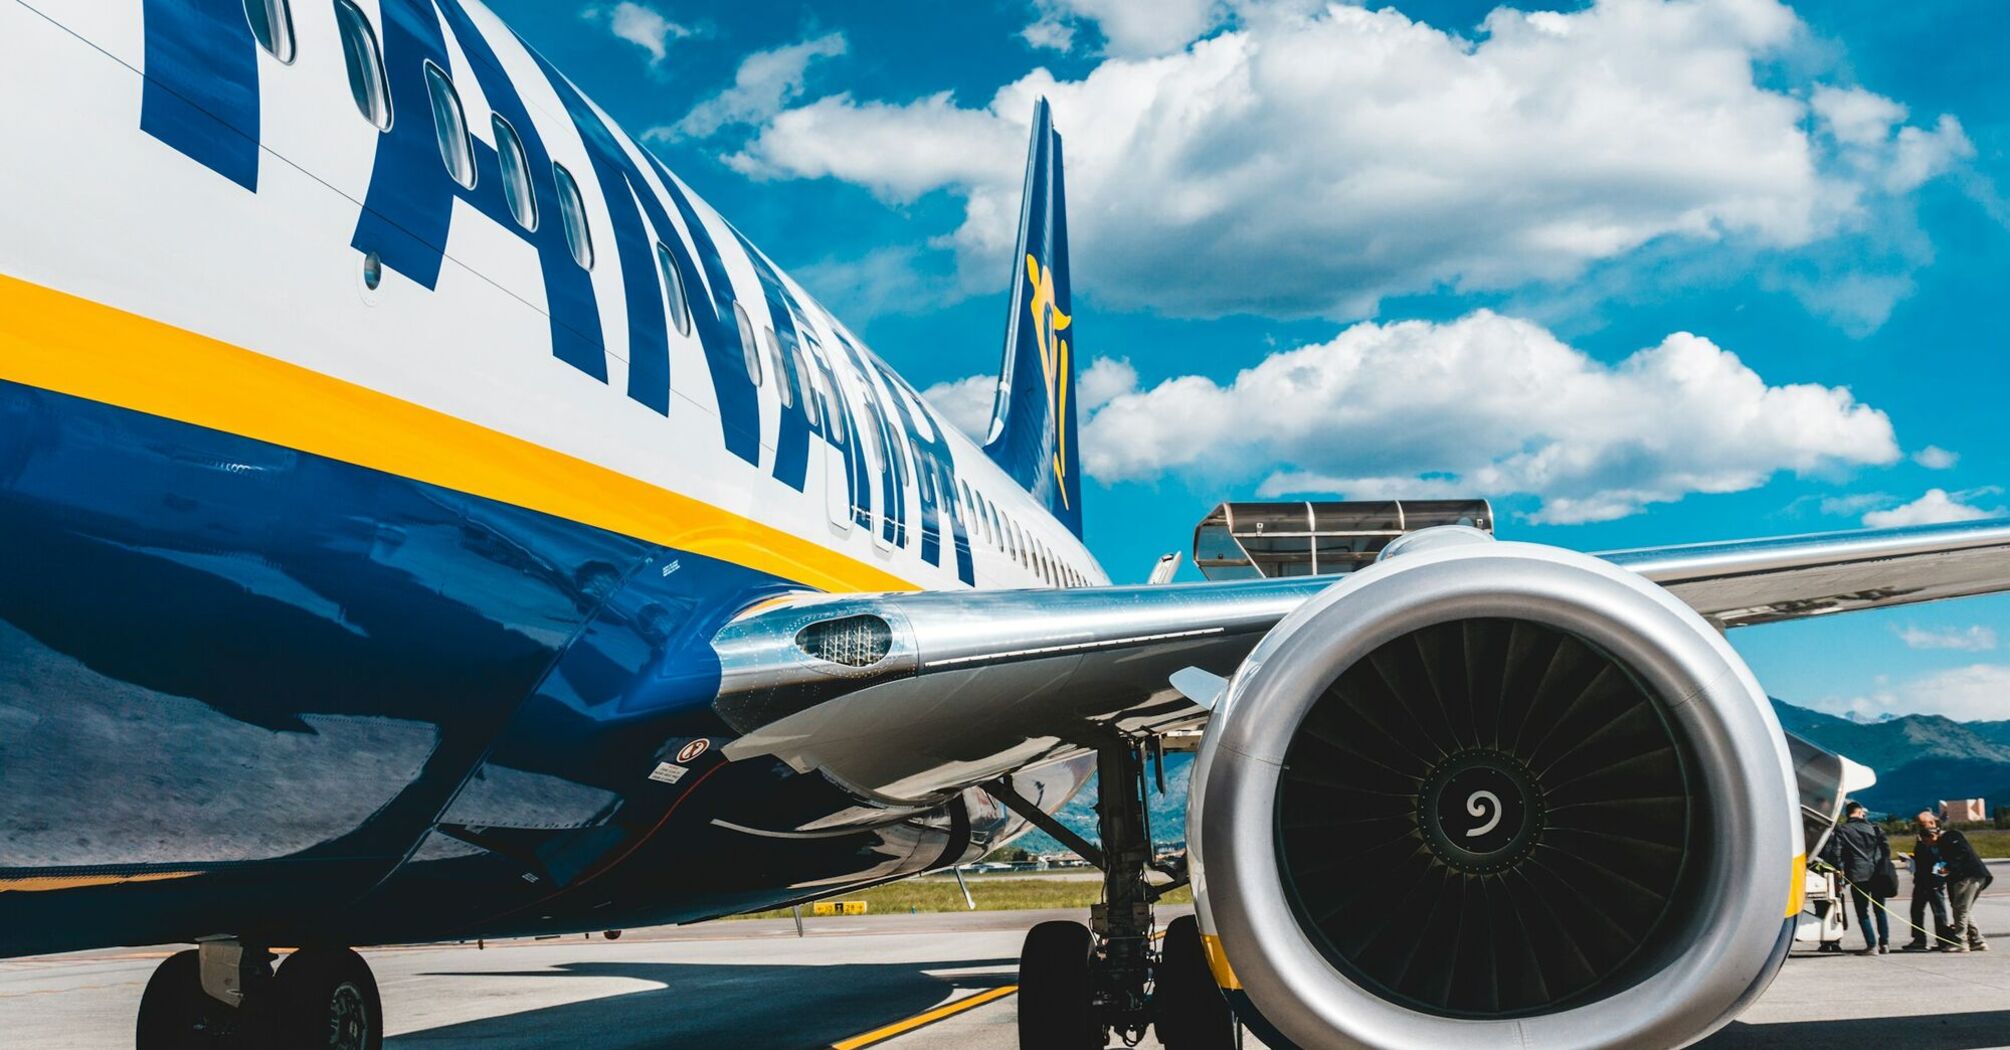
(1919, 759)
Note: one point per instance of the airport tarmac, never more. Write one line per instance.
(904, 982)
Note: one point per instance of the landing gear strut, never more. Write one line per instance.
(1080, 985)
(225, 995)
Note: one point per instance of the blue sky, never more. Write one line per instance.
(1640, 272)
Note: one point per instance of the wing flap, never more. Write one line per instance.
(1747, 582)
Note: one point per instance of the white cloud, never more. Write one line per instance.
(1978, 692)
(1488, 406)
(1103, 381)
(1976, 639)
(1050, 34)
(1130, 27)
(765, 82)
(1854, 503)
(1933, 457)
(966, 403)
(1312, 161)
(1934, 507)
(1875, 141)
(640, 25)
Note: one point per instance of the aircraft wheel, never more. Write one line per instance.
(1190, 1013)
(326, 998)
(1056, 1011)
(176, 1014)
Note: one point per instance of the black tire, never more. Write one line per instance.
(1189, 1011)
(1056, 1008)
(326, 999)
(176, 1014)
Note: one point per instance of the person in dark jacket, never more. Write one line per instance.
(1857, 848)
(1967, 877)
(1929, 887)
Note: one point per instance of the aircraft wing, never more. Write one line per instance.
(908, 698)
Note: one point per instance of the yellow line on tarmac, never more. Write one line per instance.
(922, 1020)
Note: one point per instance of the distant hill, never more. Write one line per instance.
(1919, 759)
(1168, 811)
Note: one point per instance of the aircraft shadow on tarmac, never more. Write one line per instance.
(1981, 1030)
(750, 1007)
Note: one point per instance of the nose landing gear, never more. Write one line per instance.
(225, 996)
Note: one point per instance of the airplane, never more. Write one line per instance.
(426, 519)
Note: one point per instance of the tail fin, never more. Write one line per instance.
(1033, 419)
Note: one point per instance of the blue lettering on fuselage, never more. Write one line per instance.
(892, 472)
(201, 90)
(409, 207)
(934, 468)
(792, 441)
(739, 402)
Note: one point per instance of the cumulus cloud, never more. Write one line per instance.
(1978, 692)
(1129, 27)
(1934, 507)
(1103, 381)
(765, 82)
(965, 403)
(640, 25)
(1311, 160)
(1493, 406)
(1933, 457)
(1974, 639)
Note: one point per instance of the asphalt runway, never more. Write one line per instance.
(905, 982)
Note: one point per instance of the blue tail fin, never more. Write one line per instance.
(1033, 420)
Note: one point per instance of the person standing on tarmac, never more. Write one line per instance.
(1967, 877)
(1929, 887)
(1859, 848)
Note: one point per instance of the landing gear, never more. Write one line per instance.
(1078, 986)
(1056, 992)
(176, 1014)
(326, 998)
(225, 996)
(1189, 1012)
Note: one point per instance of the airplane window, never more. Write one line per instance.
(673, 288)
(572, 211)
(450, 126)
(272, 23)
(515, 174)
(809, 385)
(750, 351)
(782, 378)
(365, 61)
(837, 407)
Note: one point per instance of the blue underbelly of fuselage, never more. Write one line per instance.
(254, 692)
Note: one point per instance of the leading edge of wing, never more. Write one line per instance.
(905, 697)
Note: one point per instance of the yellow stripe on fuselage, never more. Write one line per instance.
(48, 883)
(71, 345)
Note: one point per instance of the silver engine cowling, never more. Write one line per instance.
(1494, 794)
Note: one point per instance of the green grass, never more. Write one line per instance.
(994, 893)
(1987, 843)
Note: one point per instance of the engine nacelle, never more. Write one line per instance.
(1494, 795)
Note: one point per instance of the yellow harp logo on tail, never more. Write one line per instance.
(1048, 324)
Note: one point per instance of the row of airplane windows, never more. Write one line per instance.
(369, 85)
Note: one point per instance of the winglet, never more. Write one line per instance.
(1032, 434)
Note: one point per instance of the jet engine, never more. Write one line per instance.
(1486, 794)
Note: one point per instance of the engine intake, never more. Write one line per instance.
(1494, 794)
